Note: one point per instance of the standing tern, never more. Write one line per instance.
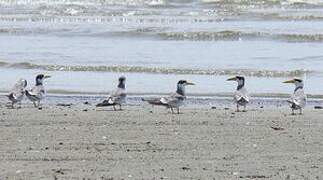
(173, 101)
(118, 97)
(17, 93)
(37, 93)
(298, 99)
(241, 96)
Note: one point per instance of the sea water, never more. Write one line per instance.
(86, 45)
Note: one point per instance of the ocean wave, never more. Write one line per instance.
(239, 35)
(156, 70)
(303, 4)
(194, 13)
(208, 36)
(200, 10)
(163, 34)
(82, 2)
(212, 8)
(152, 2)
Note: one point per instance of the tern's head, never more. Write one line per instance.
(40, 78)
(239, 79)
(122, 82)
(22, 83)
(181, 86)
(184, 83)
(298, 82)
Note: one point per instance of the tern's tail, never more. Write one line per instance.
(10, 96)
(27, 93)
(107, 102)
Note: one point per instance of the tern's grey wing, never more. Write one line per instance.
(107, 102)
(19, 86)
(16, 95)
(36, 93)
(14, 98)
(119, 96)
(155, 101)
(175, 100)
(298, 99)
(241, 96)
(18, 91)
(116, 98)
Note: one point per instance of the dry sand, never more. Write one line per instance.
(70, 143)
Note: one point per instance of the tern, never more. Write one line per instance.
(298, 99)
(118, 97)
(241, 96)
(173, 101)
(17, 93)
(37, 93)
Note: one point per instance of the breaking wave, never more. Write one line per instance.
(159, 2)
(239, 35)
(157, 70)
(125, 8)
(159, 33)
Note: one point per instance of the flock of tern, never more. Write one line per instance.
(35, 95)
(297, 101)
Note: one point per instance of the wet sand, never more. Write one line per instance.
(83, 142)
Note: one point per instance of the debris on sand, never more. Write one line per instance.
(276, 128)
(64, 105)
(318, 107)
(254, 177)
(185, 168)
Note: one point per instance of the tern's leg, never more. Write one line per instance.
(120, 108)
(12, 105)
(178, 110)
(238, 108)
(38, 104)
(244, 108)
(293, 112)
(300, 111)
(172, 110)
(34, 104)
(114, 107)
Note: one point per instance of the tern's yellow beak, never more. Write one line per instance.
(290, 81)
(189, 83)
(46, 76)
(232, 79)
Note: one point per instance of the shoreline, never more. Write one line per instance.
(64, 93)
(203, 102)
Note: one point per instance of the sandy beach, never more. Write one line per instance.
(96, 50)
(83, 142)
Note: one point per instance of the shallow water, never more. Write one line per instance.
(86, 45)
